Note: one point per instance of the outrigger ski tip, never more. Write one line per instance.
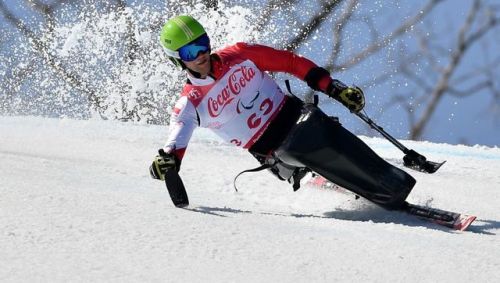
(412, 159)
(416, 161)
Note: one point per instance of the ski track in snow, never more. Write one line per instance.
(77, 204)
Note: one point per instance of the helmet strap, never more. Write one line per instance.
(183, 66)
(177, 62)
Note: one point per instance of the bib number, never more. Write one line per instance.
(255, 119)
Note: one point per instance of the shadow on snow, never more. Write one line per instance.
(371, 213)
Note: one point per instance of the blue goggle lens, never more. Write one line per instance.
(190, 51)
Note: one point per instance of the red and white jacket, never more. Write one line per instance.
(239, 99)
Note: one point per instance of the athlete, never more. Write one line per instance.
(230, 92)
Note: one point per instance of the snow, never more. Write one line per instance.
(77, 204)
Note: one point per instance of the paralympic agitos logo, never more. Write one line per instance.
(236, 81)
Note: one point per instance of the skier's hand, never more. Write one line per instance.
(351, 97)
(161, 164)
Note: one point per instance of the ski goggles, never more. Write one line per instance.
(190, 51)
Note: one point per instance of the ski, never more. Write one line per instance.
(454, 220)
(445, 218)
(317, 181)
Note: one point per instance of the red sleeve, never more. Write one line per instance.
(273, 60)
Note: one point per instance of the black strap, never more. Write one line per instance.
(297, 175)
(287, 84)
(315, 96)
(256, 169)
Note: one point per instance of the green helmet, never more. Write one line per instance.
(177, 32)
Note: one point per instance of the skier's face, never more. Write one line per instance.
(201, 64)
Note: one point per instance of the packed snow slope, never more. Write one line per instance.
(77, 204)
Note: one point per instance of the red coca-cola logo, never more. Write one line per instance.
(236, 82)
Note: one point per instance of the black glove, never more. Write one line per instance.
(162, 163)
(351, 97)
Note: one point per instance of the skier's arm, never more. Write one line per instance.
(274, 60)
(183, 121)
